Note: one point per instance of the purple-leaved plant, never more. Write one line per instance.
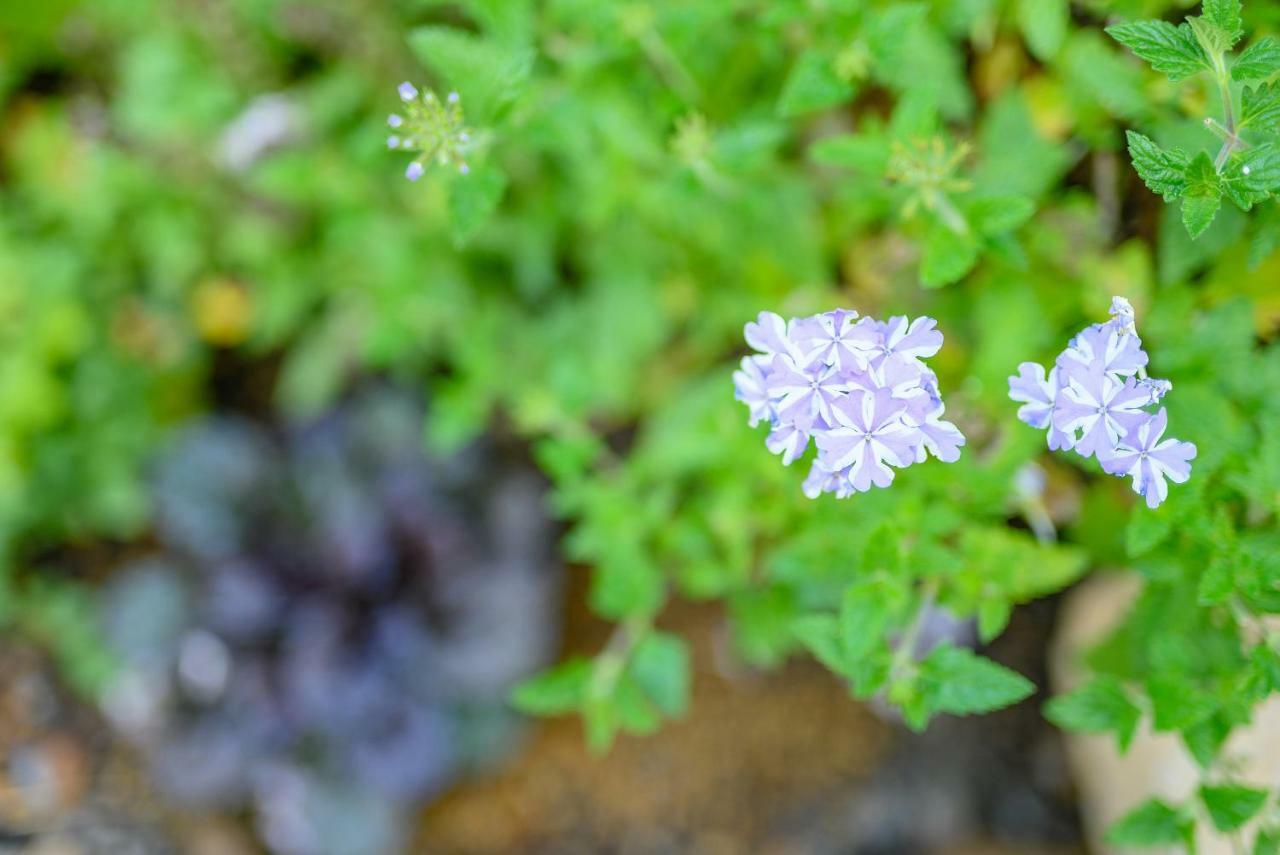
(857, 386)
(1095, 400)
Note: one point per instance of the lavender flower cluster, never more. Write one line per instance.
(433, 128)
(857, 386)
(1095, 400)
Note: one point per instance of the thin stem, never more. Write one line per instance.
(1228, 112)
(905, 654)
(613, 659)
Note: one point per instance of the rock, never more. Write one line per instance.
(1156, 765)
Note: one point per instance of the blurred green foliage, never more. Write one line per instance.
(184, 183)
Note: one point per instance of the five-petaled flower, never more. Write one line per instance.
(856, 386)
(1095, 400)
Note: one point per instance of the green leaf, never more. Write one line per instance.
(1146, 530)
(1260, 169)
(1260, 106)
(865, 153)
(948, 256)
(489, 75)
(1044, 25)
(820, 635)
(660, 666)
(1260, 60)
(1173, 51)
(1164, 172)
(1268, 842)
(1203, 195)
(622, 587)
(559, 690)
(1098, 706)
(1153, 823)
(1231, 805)
(813, 85)
(634, 711)
(993, 617)
(995, 215)
(869, 607)
(957, 681)
(473, 198)
(1177, 704)
(1225, 15)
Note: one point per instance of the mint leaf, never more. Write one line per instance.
(1252, 176)
(1261, 59)
(820, 635)
(1146, 530)
(1173, 51)
(660, 666)
(489, 75)
(1231, 806)
(625, 586)
(1044, 25)
(812, 85)
(1260, 106)
(954, 680)
(1099, 706)
(1268, 843)
(869, 607)
(473, 198)
(995, 215)
(1225, 15)
(948, 256)
(865, 153)
(1164, 172)
(560, 690)
(1151, 824)
(1203, 195)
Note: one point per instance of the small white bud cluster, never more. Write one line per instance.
(432, 128)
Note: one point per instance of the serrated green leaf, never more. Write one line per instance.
(1225, 15)
(1212, 39)
(488, 74)
(1098, 706)
(1173, 51)
(948, 256)
(1044, 25)
(1146, 530)
(1268, 842)
(820, 635)
(865, 153)
(869, 607)
(1217, 581)
(1232, 805)
(622, 587)
(473, 198)
(993, 617)
(957, 681)
(1151, 823)
(660, 667)
(813, 84)
(1203, 196)
(995, 215)
(1177, 704)
(1260, 106)
(559, 690)
(1164, 172)
(1260, 60)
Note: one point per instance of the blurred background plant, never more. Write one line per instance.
(200, 214)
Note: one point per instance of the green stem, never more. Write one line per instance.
(613, 659)
(1228, 112)
(904, 656)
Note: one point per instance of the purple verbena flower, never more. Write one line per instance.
(1095, 400)
(1142, 456)
(858, 387)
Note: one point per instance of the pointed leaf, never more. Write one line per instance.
(1173, 51)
